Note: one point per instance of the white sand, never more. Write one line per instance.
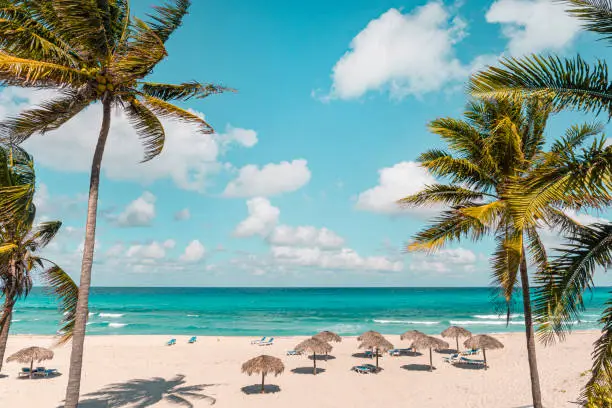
(217, 361)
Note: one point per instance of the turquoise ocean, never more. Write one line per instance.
(285, 311)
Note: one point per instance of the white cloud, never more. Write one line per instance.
(188, 159)
(271, 179)
(532, 26)
(344, 258)
(182, 215)
(262, 218)
(444, 260)
(405, 53)
(154, 250)
(193, 252)
(586, 219)
(394, 183)
(138, 213)
(115, 251)
(307, 236)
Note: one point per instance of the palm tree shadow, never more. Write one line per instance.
(143, 393)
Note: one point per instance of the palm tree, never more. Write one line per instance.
(92, 51)
(496, 146)
(571, 82)
(559, 298)
(20, 244)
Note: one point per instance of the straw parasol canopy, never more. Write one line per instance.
(423, 342)
(483, 341)
(378, 343)
(30, 355)
(328, 336)
(265, 365)
(315, 346)
(412, 335)
(368, 334)
(456, 332)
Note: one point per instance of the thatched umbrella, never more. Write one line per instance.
(315, 346)
(31, 354)
(412, 335)
(456, 332)
(368, 334)
(328, 337)
(377, 343)
(265, 365)
(483, 342)
(429, 342)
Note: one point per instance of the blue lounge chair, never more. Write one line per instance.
(294, 353)
(193, 340)
(25, 372)
(452, 358)
(464, 360)
(361, 369)
(267, 343)
(259, 341)
(171, 342)
(470, 352)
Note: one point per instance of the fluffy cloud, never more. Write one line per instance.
(271, 179)
(138, 213)
(394, 183)
(262, 218)
(405, 53)
(306, 236)
(585, 218)
(154, 250)
(533, 25)
(193, 252)
(182, 215)
(344, 258)
(188, 159)
(444, 260)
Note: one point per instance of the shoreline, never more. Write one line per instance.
(120, 366)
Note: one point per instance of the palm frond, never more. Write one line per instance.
(575, 136)
(450, 226)
(148, 127)
(570, 83)
(31, 73)
(168, 18)
(601, 372)
(48, 116)
(457, 170)
(167, 110)
(143, 51)
(596, 15)
(489, 214)
(184, 91)
(558, 302)
(44, 233)
(442, 194)
(60, 283)
(506, 260)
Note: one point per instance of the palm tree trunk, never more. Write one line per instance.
(82, 309)
(6, 318)
(536, 393)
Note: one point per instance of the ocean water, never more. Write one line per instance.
(285, 311)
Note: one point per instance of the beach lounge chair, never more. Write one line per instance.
(25, 372)
(452, 358)
(294, 353)
(464, 360)
(470, 352)
(268, 342)
(193, 340)
(395, 352)
(361, 369)
(51, 371)
(371, 367)
(171, 342)
(259, 341)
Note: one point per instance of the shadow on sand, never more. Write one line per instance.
(322, 357)
(307, 370)
(469, 366)
(362, 355)
(256, 389)
(416, 367)
(446, 351)
(37, 377)
(143, 393)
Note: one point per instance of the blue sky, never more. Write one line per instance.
(297, 187)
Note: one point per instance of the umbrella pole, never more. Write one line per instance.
(263, 376)
(31, 368)
(484, 354)
(430, 361)
(457, 338)
(376, 359)
(314, 359)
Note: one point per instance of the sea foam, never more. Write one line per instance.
(113, 315)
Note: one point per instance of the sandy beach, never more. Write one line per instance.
(141, 371)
